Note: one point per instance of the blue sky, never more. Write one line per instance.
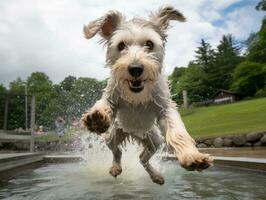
(234, 7)
(37, 35)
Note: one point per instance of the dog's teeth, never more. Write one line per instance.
(131, 84)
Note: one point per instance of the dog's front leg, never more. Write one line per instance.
(182, 143)
(98, 118)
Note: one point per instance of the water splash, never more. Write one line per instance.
(98, 158)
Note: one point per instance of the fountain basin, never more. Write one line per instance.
(82, 181)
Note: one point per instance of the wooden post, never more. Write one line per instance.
(6, 113)
(185, 99)
(26, 107)
(32, 123)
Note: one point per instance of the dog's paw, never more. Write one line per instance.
(115, 170)
(157, 178)
(196, 161)
(97, 120)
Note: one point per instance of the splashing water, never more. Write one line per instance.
(98, 158)
(90, 179)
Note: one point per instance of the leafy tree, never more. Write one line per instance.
(75, 95)
(174, 80)
(68, 83)
(257, 49)
(193, 81)
(227, 57)
(261, 5)
(41, 86)
(3, 92)
(16, 108)
(204, 56)
(85, 93)
(249, 77)
(252, 38)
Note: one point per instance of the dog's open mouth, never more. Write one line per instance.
(136, 85)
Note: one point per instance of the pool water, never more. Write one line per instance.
(85, 181)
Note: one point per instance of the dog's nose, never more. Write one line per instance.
(135, 70)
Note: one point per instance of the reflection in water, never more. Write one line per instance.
(90, 180)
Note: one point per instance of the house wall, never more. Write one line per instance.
(223, 97)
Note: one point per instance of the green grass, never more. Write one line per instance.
(229, 119)
(52, 136)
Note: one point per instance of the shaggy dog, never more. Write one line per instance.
(137, 100)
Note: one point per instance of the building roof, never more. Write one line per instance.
(224, 91)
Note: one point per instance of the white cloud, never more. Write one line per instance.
(46, 36)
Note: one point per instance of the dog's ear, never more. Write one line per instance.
(105, 25)
(164, 15)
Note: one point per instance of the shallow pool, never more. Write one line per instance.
(82, 181)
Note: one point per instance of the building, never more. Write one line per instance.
(224, 96)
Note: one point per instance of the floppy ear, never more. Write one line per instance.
(105, 25)
(163, 16)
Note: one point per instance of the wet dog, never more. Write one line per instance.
(137, 100)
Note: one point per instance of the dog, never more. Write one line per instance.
(137, 101)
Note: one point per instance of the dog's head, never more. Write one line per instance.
(135, 49)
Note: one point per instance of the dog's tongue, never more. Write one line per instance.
(136, 83)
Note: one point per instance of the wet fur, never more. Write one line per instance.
(147, 114)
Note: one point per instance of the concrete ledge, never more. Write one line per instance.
(13, 160)
(62, 158)
(256, 164)
(10, 161)
(250, 152)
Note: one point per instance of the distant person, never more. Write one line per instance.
(60, 126)
(39, 131)
(75, 124)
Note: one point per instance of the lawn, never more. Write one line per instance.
(236, 118)
(229, 119)
(52, 136)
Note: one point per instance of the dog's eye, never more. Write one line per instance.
(149, 45)
(121, 46)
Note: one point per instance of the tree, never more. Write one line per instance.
(227, 57)
(16, 110)
(261, 5)
(85, 93)
(68, 83)
(174, 81)
(3, 93)
(252, 38)
(74, 96)
(257, 50)
(249, 77)
(204, 56)
(41, 86)
(193, 81)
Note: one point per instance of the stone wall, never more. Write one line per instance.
(72, 145)
(254, 139)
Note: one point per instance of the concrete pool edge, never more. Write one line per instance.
(254, 164)
(15, 160)
(10, 161)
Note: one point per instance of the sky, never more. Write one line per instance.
(46, 36)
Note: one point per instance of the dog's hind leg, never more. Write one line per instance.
(115, 138)
(151, 143)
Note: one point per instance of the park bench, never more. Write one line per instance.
(12, 136)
